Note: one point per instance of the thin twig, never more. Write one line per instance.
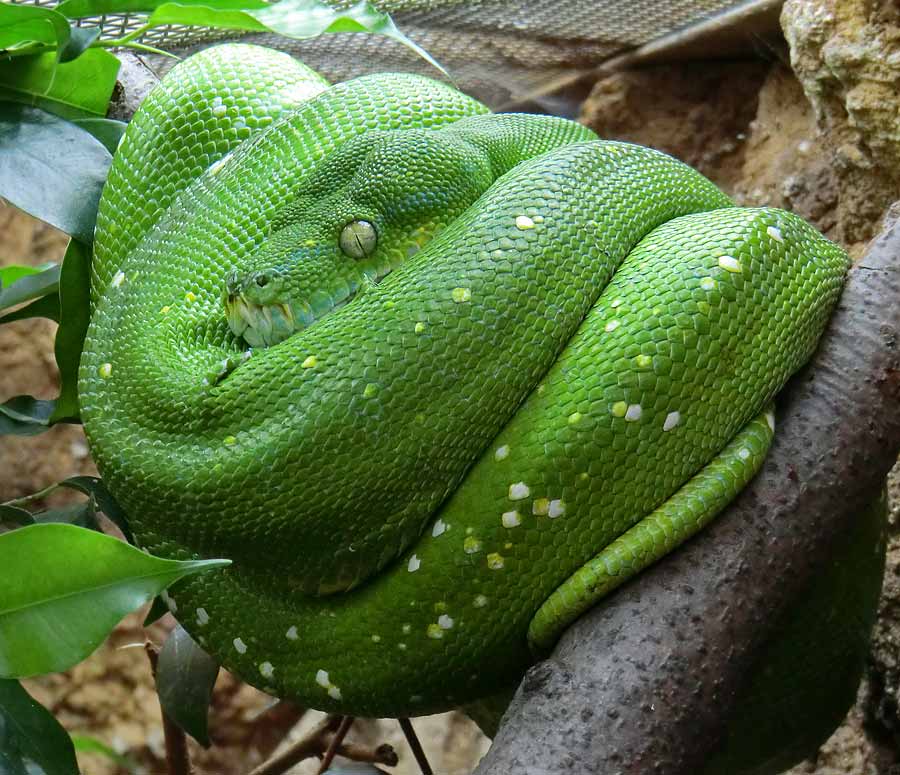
(317, 742)
(415, 745)
(337, 740)
(178, 760)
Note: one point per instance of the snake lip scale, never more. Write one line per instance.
(498, 366)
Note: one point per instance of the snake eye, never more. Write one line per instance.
(358, 239)
(262, 280)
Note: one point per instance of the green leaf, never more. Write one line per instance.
(13, 516)
(87, 744)
(28, 285)
(44, 307)
(78, 89)
(51, 169)
(24, 24)
(75, 311)
(107, 130)
(185, 677)
(32, 742)
(157, 611)
(98, 497)
(79, 40)
(64, 590)
(81, 514)
(13, 272)
(106, 503)
(94, 488)
(291, 18)
(25, 416)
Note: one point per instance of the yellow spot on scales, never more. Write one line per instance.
(730, 264)
(495, 561)
(190, 297)
(420, 328)
(105, 370)
(461, 295)
(229, 441)
(165, 310)
(310, 362)
(471, 545)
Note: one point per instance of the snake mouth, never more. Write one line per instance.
(265, 325)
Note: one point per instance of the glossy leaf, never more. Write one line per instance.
(185, 677)
(25, 416)
(44, 307)
(78, 89)
(79, 40)
(80, 514)
(64, 590)
(32, 742)
(51, 169)
(93, 487)
(84, 514)
(27, 286)
(21, 25)
(291, 18)
(14, 272)
(74, 309)
(158, 609)
(107, 130)
(13, 516)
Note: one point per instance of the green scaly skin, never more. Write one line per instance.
(547, 337)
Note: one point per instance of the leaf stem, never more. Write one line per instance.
(33, 497)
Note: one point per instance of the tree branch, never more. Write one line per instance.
(645, 682)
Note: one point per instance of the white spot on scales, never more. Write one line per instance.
(672, 421)
(518, 491)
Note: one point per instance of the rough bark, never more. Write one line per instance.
(644, 683)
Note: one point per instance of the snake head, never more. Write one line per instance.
(364, 211)
(291, 289)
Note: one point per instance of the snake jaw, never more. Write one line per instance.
(265, 325)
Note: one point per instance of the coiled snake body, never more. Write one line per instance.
(495, 367)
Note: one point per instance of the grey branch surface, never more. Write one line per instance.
(643, 683)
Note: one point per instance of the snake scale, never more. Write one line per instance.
(434, 379)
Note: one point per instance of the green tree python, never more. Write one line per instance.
(435, 380)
